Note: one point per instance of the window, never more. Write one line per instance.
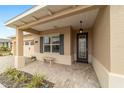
(51, 44)
(46, 48)
(32, 42)
(55, 43)
(46, 40)
(55, 40)
(26, 42)
(55, 48)
(29, 42)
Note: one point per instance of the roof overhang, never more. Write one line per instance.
(34, 14)
(44, 14)
(4, 40)
(21, 16)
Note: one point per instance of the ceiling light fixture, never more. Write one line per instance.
(81, 28)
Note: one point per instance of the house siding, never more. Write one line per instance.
(62, 59)
(101, 46)
(117, 37)
(101, 38)
(70, 45)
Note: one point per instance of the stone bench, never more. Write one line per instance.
(49, 59)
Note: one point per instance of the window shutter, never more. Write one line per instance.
(41, 44)
(61, 44)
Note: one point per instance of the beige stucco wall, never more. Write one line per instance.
(67, 42)
(101, 46)
(62, 59)
(117, 38)
(101, 38)
(35, 49)
(70, 47)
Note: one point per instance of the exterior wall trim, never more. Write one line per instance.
(116, 80)
(106, 78)
(102, 72)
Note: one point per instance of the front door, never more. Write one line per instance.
(82, 47)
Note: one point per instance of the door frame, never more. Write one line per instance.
(82, 60)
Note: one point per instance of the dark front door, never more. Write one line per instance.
(82, 47)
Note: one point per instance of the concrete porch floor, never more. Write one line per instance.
(75, 76)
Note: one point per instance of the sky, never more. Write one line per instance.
(6, 13)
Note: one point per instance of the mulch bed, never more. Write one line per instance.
(4, 80)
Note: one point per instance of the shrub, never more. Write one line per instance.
(9, 70)
(1, 54)
(36, 81)
(21, 78)
(4, 49)
(10, 53)
(16, 75)
(11, 73)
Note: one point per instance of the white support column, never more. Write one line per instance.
(19, 58)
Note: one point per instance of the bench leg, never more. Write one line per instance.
(50, 62)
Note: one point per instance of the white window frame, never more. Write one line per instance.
(50, 36)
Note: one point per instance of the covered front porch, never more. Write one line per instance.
(55, 31)
(63, 26)
(75, 76)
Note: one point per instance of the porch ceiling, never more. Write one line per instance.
(42, 18)
(35, 14)
(88, 19)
